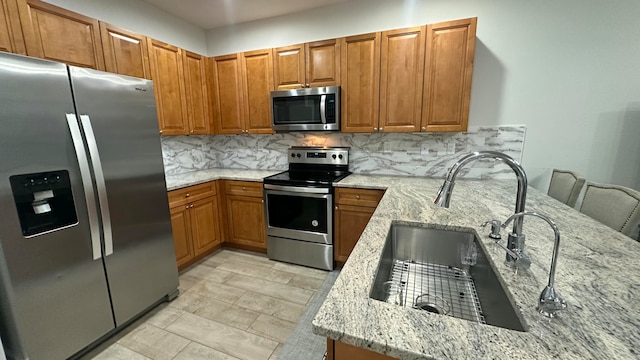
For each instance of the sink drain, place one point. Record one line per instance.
(431, 303)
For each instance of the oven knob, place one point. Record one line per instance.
(293, 155)
(333, 156)
(340, 157)
(298, 155)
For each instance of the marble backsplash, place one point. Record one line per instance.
(412, 154)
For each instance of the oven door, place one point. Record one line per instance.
(299, 213)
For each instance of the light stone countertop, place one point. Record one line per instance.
(598, 274)
(201, 176)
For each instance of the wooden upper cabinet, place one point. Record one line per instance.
(447, 79)
(196, 93)
(227, 94)
(401, 79)
(125, 52)
(360, 81)
(11, 39)
(168, 78)
(322, 59)
(257, 83)
(57, 34)
(288, 69)
(312, 64)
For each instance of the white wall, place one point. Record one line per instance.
(568, 70)
(142, 18)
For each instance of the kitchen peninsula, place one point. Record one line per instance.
(593, 275)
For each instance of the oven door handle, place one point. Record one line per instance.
(297, 189)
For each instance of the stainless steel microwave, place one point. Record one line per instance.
(307, 109)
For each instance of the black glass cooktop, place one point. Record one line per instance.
(307, 178)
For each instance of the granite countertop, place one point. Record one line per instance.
(201, 176)
(597, 274)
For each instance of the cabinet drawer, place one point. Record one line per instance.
(192, 193)
(358, 197)
(243, 188)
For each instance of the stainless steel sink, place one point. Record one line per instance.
(444, 272)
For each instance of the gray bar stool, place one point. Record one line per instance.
(565, 186)
(615, 206)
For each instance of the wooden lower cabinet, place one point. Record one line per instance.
(353, 211)
(245, 214)
(196, 229)
(337, 350)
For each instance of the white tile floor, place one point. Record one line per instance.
(232, 305)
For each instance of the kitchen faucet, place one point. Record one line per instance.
(550, 301)
(515, 244)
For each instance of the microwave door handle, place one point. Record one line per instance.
(85, 174)
(100, 183)
(323, 108)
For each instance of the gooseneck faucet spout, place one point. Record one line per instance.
(550, 301)
(516, 239)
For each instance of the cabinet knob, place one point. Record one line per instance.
(336, 208)
(160, 132)
(187, 195)
(191, 132)
(357, 197)
(381, 129)
(375, 129)
(191, 205)
(244, 188)
(186, 207)
(307, 85)
(423, 128)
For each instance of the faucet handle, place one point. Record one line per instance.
(495, 229)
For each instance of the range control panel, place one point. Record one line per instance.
(319, 155)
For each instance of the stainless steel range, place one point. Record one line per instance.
(299, 206)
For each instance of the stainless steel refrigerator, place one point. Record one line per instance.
(85, 231)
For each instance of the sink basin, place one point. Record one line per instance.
(444, 272)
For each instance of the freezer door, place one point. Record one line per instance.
(53, 294)
(118, 115)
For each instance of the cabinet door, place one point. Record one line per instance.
(11, 39)
(168, 79)
(350, 222)
(257, 83)
(447, 78)
(288, 70)
(57, 34)
(125, 52)
(360, 69)
(195, 83)
(401, 79)
(246, 221)
(180, 225)
(204, 224)
(322, 60)
(227, 97)
(337, 350)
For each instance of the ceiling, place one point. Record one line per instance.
(209, 14)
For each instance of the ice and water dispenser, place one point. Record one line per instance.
(44, 201)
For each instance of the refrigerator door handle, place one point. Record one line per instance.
(100, 183)
(85, 173)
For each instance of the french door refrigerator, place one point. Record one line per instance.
(85, 232)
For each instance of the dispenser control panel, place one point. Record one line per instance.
(44, 201)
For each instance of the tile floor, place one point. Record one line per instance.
(232, 305)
